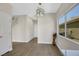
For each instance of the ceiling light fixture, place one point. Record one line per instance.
(40, 11)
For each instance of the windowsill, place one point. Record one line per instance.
(72, 40)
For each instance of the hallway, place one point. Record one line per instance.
(33, 49)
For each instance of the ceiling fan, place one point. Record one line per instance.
(40, 11)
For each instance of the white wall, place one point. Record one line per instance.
(22, 29)
(6, 7)
(5, 29)
(18, 29)
(29, 29)
(46, 27)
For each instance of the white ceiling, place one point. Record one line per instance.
(30, 8)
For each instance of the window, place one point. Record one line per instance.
(72, 29)
(72, 24)
(62, 26)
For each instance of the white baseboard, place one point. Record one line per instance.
(22, 41)
(44, 42)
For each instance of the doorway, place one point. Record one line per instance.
(35, 29)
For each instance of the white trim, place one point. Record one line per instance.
(61, 50)
(67, 52)
(22, 41)
(5, 51)
(44, 42)
(69, 39)
(65, 26)
(67, 10)
(18, 41)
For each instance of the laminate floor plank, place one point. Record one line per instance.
(33, 49)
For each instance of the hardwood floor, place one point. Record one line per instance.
(33, 49)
